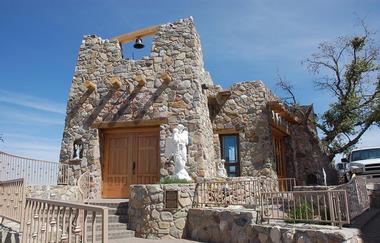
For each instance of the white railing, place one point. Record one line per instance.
(50, 221)
(12, 198)
(59, 221)
(35, 172)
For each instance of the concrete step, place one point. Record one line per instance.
(115, 226)
(114, 218)
(111, 203)
(112, 235)
(118, 211)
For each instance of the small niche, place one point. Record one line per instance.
(78, 149)
(171, 199)
(131, 53)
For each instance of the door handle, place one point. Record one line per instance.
(133, 167)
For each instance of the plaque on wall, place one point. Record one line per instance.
(171, 199)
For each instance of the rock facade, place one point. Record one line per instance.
(60, 192)
(307, 154)
(176, 51)
(232, 226)
(148, 215)
(245, 113)
(357, 196)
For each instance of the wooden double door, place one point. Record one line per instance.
(131, 156)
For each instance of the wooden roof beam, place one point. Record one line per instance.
(280, 109)
(136, 34)
(220, 98)
(89, 85)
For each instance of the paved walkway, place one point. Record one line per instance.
(369, 225)
(371, 230)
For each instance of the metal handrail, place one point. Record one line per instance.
(35, 172)
(245, 191)
(327, 206)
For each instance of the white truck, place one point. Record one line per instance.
(364, 162)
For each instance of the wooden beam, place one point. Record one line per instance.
(89, 85)
(140, 78)
(219, 98)
(136, 34)
(226, 131)
(222, 96)
(115, 82)
(166, 77)
(126, 124)
(281, 110)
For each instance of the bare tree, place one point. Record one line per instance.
(349, 69)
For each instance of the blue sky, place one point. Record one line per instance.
(241, 40)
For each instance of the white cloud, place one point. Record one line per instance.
(28, 118)
(31, 102)
(39, 148)
(33, 149)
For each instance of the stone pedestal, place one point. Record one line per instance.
(149, 216)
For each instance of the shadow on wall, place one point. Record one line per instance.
(78, 105)
(99, 107)
(142, 111)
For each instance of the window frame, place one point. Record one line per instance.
(227, 164)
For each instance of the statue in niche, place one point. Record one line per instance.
(175, 147)
(78, 149)
(221, 170)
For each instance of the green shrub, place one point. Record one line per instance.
(173, 180)
(301, 212)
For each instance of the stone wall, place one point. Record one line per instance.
(307, 154)
(175, 50)
(357, 196)
(236, 226)
(148, 216)
(246, 113)
(60, 192)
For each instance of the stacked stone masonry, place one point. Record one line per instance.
(238, 226)
(148, 215)
(175, 50)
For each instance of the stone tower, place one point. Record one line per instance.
(163, 89)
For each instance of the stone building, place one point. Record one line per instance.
(120, 111)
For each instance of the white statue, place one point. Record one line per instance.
(176, 147)
(77, 150)
(324, 177)
(221, 170)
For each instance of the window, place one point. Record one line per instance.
(230, 153)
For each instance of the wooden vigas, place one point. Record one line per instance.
(140, 78)
(89, 85)
(166, 77)
(115, 82)
(136, 34)
(131, 156)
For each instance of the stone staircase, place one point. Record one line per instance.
(117, 220)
